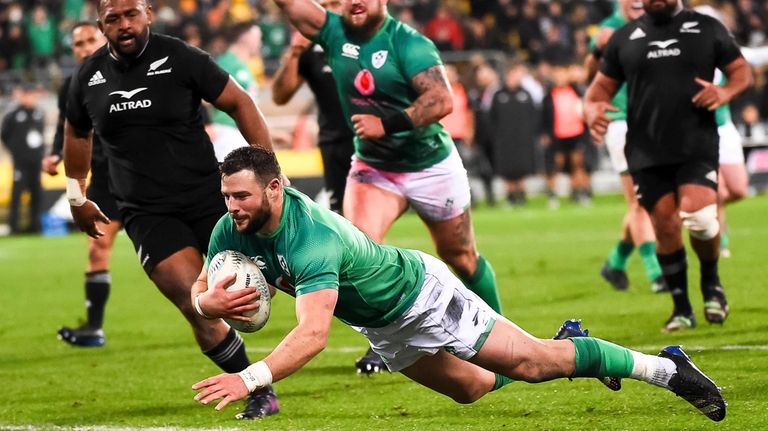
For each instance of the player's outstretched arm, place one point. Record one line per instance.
(597, 101)
(307, 16)
(250, 121)
(314, 311)
(77, 162)
(287, 78)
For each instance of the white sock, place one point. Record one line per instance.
(652, 369)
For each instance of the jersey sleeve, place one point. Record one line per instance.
(416, 53)
(76, 112)
(207, 77)
(610, 65)
(317, 265)
(330, 33)
(726, 49)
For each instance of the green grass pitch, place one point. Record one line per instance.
(547, 265)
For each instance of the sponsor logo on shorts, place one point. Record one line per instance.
(711, 176)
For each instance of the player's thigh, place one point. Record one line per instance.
(734, 179)
(372, 202)
(654, 183)
(157, 237)
(442, 372)
(697, 181)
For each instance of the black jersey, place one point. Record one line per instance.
(659, 63)
(98, 160)
(147, 116)
(314, 68)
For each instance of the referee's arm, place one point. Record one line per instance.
(238, 104)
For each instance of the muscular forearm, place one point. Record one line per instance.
(739, 78)
(430, 107)
(300, 345)
(77, 152)
(287, 79)
(252, 125)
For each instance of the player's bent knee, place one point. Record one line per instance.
(467, 396)
(702, 224)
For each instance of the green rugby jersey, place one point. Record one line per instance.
(240, 72)
(373, 76)
(314, 248)
(615, 22)
(723, 112)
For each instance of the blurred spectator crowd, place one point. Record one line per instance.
(483, 40)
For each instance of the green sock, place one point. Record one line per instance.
(647, 252)
(619, 255)
(725, 242)
(501, 381)
(599, 358)
(483, 283)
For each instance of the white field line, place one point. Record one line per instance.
(103, 428)
(647, 348)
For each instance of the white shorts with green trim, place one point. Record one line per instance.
(446, 315)
(615, 140)
(731, 151)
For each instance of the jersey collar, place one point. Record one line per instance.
(114, 57)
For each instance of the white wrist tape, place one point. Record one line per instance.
(74, 193)
(196, 303)
(256, 376)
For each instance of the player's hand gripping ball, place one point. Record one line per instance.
(230, 262)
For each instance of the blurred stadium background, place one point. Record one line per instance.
(34, 46)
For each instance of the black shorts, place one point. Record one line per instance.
(655, 182)
(564, 146)
(337, 159)
(157, 236)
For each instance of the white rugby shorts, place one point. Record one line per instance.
(615, 140)
(446, 315)
(439, 192)
(731, 152)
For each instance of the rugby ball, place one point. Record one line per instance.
(248, 274)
